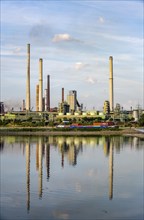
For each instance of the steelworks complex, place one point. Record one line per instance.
(67, 109)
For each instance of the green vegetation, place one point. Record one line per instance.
(20, 123)
(35, 129)
(141, 120)
(46, 122)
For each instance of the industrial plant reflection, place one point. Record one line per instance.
(28, 174)
(69, 148)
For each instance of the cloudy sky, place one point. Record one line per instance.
(75, 40)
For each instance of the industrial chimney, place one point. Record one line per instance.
(40, 84)
(48, 92)
(62, 95)
(37, 98)
(28, 79)
(111, 83)
(46, 99)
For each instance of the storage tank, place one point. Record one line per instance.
(60, 114)
(135, 115)
(68, 113)
(92, 113)
(84, 113)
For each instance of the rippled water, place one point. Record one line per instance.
(72, 178)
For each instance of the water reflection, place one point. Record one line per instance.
(111, 169)
(40, 169)
(28, 174)
(47, 159)
(69, 149)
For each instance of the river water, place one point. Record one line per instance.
(72, 178)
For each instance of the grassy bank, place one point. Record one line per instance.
(46, 131)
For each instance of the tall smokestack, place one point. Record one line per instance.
(28, 79)
(48, 92)
(62, 94)
(46, 99)
(37, 98)
(40, 84)
(43, 104)
(111, 83)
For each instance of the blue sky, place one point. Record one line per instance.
(75, 40)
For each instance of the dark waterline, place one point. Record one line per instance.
(72, 177)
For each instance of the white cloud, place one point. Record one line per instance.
(123, 57)
(127, 39)
(91, 80)
(17, 50)
(101, 59)
(63, 37)
(80, 65)
(101, 20)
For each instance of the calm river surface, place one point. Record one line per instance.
(72, 178)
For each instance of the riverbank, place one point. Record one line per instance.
(47, 131)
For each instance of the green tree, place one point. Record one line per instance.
(141, 120)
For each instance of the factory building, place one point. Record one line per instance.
(71, 99)
(117, 108)
(137, 113)
(1, 108)
(64, 108)
(106, 107)
(23, 105)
